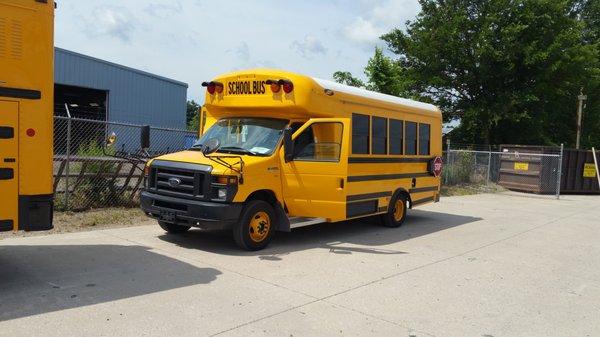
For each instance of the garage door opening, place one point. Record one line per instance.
(82, 103)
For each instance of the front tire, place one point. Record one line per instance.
(172, 228)
(396, 212)
(255, 228)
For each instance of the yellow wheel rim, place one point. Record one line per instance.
(259, 226)
(399, 210)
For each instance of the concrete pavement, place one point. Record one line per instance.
(483, 265)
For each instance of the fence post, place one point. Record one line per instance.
(68, 166)
(447, 163)
(489, 164)
(559, 175)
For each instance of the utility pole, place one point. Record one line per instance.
(580, 98)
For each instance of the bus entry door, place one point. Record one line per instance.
(314, 180)
(9, 151)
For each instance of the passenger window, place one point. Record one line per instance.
(360, 134)
(319, 142)
(379, 134)
(424, 140)
(411, 138)
(396, 135)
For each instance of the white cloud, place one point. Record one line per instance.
(113, 21)
(308, 47)
(380, 18)
(164, 10)
(363, 31)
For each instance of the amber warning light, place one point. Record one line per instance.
(277, 85)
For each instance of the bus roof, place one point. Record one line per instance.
(350, 90)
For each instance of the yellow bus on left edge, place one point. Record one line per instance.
(26, 109)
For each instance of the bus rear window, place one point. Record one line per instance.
(411, 138)
(360, 134)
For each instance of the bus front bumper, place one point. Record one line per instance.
(201, 214)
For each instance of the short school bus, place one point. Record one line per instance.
(280, 150)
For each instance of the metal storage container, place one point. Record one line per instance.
(534, 169)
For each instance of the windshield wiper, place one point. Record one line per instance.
(236, 149)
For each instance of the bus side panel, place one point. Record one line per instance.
(26, 75)
(9, 165)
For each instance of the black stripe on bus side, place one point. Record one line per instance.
(20, 93)
(367, 160)
(422, 201)
(359, 208)
(387, 176)
(6, 225)
(375, 195)
(6, 173)
(423, 189)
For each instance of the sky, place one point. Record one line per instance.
(195, 40)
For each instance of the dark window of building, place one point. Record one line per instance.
(411, 138)
(379, 134)
(424, 139)
(396, 135)
(360, 134)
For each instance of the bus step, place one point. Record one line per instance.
(297, 221)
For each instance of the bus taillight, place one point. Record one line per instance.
(213, 86)
(275, 87)
(288, 86)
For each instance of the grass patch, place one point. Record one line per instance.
(470, 189)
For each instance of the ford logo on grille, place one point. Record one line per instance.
(174, 182)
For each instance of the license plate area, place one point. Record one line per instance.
(168, 216)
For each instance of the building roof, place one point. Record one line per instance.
(116, 65)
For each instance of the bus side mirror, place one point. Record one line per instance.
(288, 145)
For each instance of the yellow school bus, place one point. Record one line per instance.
(26, 99)
(279, 150)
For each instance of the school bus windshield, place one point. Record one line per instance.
(252, 136)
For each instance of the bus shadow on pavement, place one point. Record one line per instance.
(347, 237)
(41, 279)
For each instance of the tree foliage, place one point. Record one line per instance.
(511, 70)
(192, 115)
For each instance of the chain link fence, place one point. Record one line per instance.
(536, 171)
(88, 174)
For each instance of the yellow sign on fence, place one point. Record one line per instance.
(521, 166)
(589, 171)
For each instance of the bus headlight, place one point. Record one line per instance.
(222, 193)
(223, 188)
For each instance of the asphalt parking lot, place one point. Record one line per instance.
(482, 265)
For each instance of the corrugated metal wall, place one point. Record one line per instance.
(134, 96)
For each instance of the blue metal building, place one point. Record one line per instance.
(100, 90)
(133, 96)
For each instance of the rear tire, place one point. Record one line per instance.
(256, 226)
(172, 228)
(396, 212)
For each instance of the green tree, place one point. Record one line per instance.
(192, 115)
(345, 77)
(511, 70)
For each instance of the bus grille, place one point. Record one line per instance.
(177, 182)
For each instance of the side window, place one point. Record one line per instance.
(379, 134)
(360, 134)
(319, 142)
(411, 138)
(396, 136)
(424, 140)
